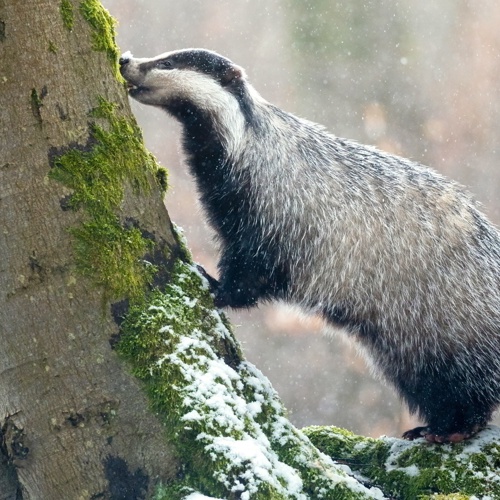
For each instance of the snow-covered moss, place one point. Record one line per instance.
(221, 413)
(418, 470)
(180, 237)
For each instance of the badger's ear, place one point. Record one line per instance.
(232, 74)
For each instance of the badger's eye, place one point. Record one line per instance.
(164, 64)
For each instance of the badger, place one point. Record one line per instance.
(386, 248)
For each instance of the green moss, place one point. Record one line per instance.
(117, 253)
(162, 178)
(184, 252)
(67, 14)
(107, 251)
(52, 47)
(103, 26)
(453, 496)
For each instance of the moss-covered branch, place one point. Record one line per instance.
(418, 470)
(222, 414)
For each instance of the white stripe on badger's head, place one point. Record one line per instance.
(194, 79)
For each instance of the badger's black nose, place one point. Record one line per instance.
(123, 60)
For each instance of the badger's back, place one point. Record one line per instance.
(382, 245)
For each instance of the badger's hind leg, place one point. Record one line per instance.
(454, 409)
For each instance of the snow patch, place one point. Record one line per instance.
(199, 496)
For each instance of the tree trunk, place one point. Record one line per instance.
(74, 423)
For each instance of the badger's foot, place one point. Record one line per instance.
(417, 432)
(440, 438)
(212, 282)
(221, 298)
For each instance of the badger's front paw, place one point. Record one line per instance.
(221, 297)
(230, 293)
(213, 284)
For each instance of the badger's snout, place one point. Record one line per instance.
(125, 67)
(127, 71)
(125, 58)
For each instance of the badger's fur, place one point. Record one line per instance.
(387, 248)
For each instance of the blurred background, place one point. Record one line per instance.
(420, 79)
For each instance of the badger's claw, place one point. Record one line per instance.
(212, 282)
(440, 438)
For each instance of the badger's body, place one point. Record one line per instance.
(385, 247)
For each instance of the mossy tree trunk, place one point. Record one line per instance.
(73, 422)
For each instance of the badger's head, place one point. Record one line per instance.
(189, 77)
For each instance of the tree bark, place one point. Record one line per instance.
(73, 422)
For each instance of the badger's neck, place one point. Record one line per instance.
(215, 132)
(214, 127)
